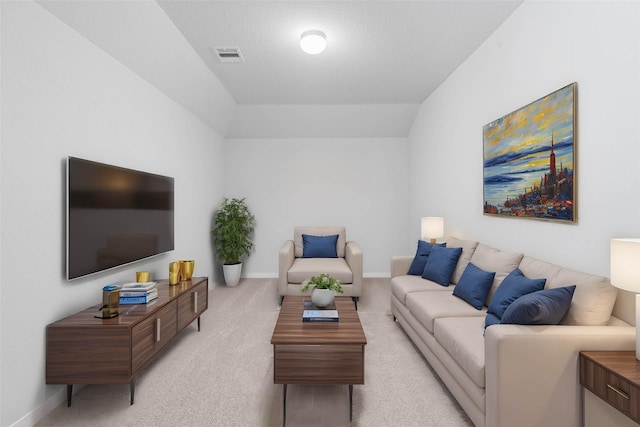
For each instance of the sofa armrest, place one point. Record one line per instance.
(400, 265)
(523, 388)
(285, 261)
(353, 258)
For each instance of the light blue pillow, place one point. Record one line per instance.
(546, 307)
(474, 285)
(440, 264)
(513, 287)
(319, 246)
(420, 260)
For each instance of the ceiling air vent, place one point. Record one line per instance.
(228, 54)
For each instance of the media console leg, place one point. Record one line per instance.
(132, 389)
(198, 323)
(350, 402)
(69, 392)
(284, 406)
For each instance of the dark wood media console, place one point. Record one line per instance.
(83, 349)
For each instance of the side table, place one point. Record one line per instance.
(613, 377)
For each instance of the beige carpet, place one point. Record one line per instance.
(223, 376)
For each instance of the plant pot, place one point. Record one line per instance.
(322, 297)
(232, 273)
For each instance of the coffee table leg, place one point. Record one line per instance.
(284, 406)
(350, 402)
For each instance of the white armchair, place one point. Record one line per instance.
(295, 266)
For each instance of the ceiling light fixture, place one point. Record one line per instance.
(313, 41)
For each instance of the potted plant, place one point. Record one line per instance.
(232, 233)
(325, 289)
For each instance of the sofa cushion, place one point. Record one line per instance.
(403, 285)
(491, 259)
(513, 287)
(441, 264)
(304, 268)
(428, 306)
(468, 247)
(319, 231)
(593, 298)
(474, 285)
(546, 307)
(420, 259)
(462, 338)
(319, 246)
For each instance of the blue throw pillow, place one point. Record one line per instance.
(546, 307)
(474, 285)
(491, 319)
(440, 264)
(513, 287)
(319, 246)
(420, 260)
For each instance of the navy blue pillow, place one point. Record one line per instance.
(513, 287)
(491, 319)
(546, 307)
(319, 246)
(474, 286)
(420, 260)
(440, 264)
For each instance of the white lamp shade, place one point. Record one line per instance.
(625, 264)
(625, 273)
(432, 227)
(313, 41)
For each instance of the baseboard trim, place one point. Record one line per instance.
(31, 418)
(381, 275)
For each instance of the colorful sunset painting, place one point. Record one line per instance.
(529, 164)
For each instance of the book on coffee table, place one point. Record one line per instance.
(320, 316)
(308, 305)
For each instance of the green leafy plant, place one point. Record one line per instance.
(322, 281)
(233, 226)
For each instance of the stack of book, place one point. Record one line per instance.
(138, 293)
(311, 313)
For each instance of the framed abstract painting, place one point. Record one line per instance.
(529, 160)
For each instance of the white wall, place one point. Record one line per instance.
(62, 96)
(542, 47)
(360, 183)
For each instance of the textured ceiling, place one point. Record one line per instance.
(378, 52)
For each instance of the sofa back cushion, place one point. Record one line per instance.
(318, 231)
(502, 262)
(468, 247)
(593, 298)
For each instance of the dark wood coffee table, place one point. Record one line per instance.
(318, 352)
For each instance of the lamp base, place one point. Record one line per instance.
(432, 241)
(638, 327)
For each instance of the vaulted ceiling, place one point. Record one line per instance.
(385, 56)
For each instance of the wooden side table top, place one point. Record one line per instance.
(291, 330)
(622, 363)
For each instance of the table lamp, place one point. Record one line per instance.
(432, 227)
(625, 273)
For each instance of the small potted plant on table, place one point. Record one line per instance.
(324, 291)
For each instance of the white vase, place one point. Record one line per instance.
(232, 273)
(322, 297)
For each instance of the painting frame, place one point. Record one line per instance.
(529, 160)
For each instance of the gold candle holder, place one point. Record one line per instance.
(174, 273)
(143, 276)
(186, 269)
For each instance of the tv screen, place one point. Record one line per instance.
(115, 216)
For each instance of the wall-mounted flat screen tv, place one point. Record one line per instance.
(115, 216)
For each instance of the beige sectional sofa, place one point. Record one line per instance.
(511, 375)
